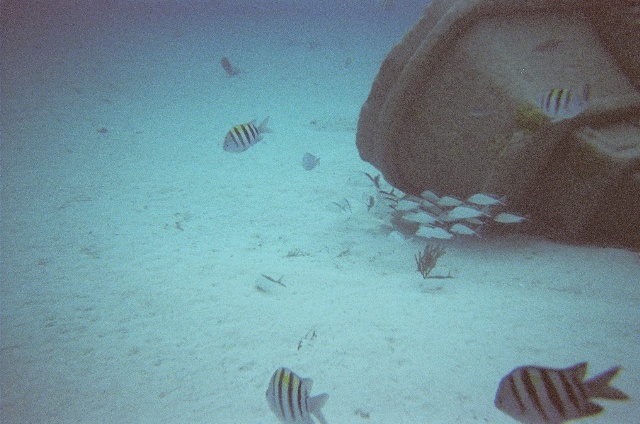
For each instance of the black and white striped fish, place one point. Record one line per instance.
(243, 136)
(564, 103)
(288, 398)
(535, 395)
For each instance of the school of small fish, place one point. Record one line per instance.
(432, 216)
(529, 394)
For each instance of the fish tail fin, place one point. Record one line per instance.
(580, 100)
(487, 210)
(315, 404)
(599, 387)
(263, 128)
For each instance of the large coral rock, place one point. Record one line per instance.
(452, 110)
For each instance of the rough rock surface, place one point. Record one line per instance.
(448, 111)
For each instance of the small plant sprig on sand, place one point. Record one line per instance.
(427, 260)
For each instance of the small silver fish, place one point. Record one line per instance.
(433, 232)
(508, 218)
(563, 103)
(406, 205)
(449, 202)
(243, 136)
(430, 196)
(462, 230)
(288, 397)
(406, 228)
(461, 212)
(309, 161)
(536, 395)
(421, 217)
(484, 200)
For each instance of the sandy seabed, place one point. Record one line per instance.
(135, 250)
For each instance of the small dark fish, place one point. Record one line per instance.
(375, 180)
(371, 203)
(390, 194)
(309, 161)
(228, 67)
(536, 395)
(273, 280)
(406, 228)
(344, 205)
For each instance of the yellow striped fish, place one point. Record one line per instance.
(563, 103)
(535, 395)
(243, 136)
(288, 398)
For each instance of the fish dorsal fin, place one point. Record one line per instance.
(315, 404)
(263, 128)
(592, 409)
(306, 383)
(579, 371)
(599, 387)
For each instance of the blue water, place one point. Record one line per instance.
(134, 249)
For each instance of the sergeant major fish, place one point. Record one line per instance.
(288, 397)
(243, 136)
(563, 103)
(535, 395)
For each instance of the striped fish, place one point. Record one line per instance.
(535, 395)
(288, 398)
(563, 103)
(243, 136)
